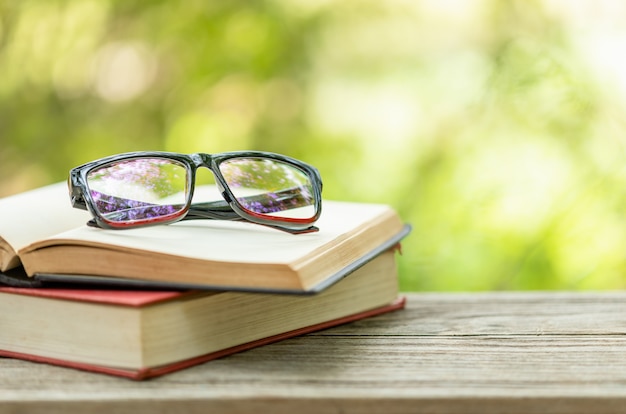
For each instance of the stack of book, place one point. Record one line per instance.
(148, 301)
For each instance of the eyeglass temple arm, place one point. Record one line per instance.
(221, 210)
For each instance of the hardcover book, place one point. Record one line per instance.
(143, 334)
(41, 234)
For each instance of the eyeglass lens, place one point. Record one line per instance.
(139, 189)
(270, 187)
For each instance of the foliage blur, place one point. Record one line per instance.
(496, 128)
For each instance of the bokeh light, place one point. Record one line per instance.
(496, 128)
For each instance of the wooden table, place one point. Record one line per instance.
(445, 353)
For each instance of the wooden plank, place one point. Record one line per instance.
(446, 353)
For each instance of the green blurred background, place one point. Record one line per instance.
(496, 128)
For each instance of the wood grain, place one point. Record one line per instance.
(445, 353)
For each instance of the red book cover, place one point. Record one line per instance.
(134, 298)
(143, 298)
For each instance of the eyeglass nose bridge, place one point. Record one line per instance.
(201, 159)
(205, 160)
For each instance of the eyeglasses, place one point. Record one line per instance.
(146, 188)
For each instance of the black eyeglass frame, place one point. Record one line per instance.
(227, 209)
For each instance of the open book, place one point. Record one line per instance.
(142, 334)
(41, 232)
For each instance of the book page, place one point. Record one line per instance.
(225, 241)
(35, 215)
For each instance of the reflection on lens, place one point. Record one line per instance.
(139, 189)
(270, 187)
